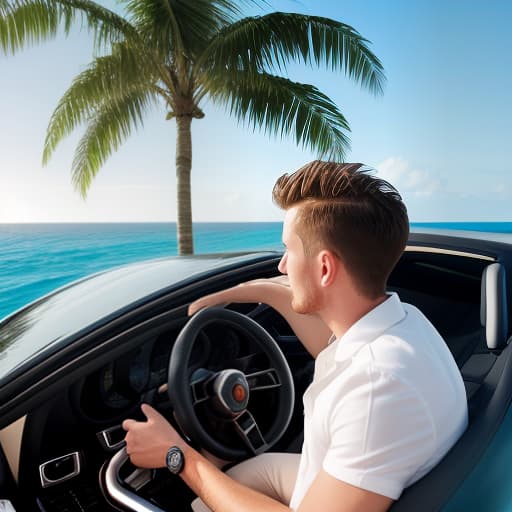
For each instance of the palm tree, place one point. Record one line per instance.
(175, 54)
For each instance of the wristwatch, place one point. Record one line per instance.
(175, 460)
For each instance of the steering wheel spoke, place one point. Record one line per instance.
(199, 386)
(263, 380)
(247, 428)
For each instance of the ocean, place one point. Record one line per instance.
(37, 258)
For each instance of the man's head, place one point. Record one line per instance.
(343, 209)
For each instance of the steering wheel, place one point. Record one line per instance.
(222, 398)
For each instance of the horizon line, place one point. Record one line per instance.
(11, 223)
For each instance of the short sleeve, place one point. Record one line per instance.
(380, 434)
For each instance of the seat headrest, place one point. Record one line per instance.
(493, 306)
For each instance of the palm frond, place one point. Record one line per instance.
(106, 25)
(107, 80)
(156, 20)
(4, 7)
(5, 37)
(108, 128)
(180, 29)
(231, 8)
(282, 107)
(266, 43)
(28, 22)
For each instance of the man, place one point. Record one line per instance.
(387, 400)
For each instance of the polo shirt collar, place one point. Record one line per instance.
(370, 326)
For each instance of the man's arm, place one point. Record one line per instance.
(310, 329)
(147, 445)
(329, 494)
(221, 492)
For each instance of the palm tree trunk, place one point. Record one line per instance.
(183, 168)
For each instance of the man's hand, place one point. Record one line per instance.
(214, 299)
(147, 442)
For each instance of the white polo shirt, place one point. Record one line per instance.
(386, 403)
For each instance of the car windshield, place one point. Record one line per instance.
(43, 326)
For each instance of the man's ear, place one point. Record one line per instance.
(329, 267)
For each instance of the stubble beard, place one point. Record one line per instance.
(307, 302)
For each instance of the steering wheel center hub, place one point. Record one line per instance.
(231, 392)
(238, 393)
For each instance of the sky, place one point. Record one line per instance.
(441, 132)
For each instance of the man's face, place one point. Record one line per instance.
(306, 294)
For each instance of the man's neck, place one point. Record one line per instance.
(340, 315)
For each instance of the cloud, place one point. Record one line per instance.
(406, 179)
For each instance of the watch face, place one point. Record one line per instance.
(175, 460)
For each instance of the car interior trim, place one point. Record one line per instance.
(6, 506)
(55, 466)
(451, 252)
(139, 478)
(10, 440)
(110, 438)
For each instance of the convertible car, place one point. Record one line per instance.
(76, 362)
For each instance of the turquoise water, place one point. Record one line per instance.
(37, 258)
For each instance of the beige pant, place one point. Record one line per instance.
(273, 474)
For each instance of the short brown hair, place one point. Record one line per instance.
(357, 216)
